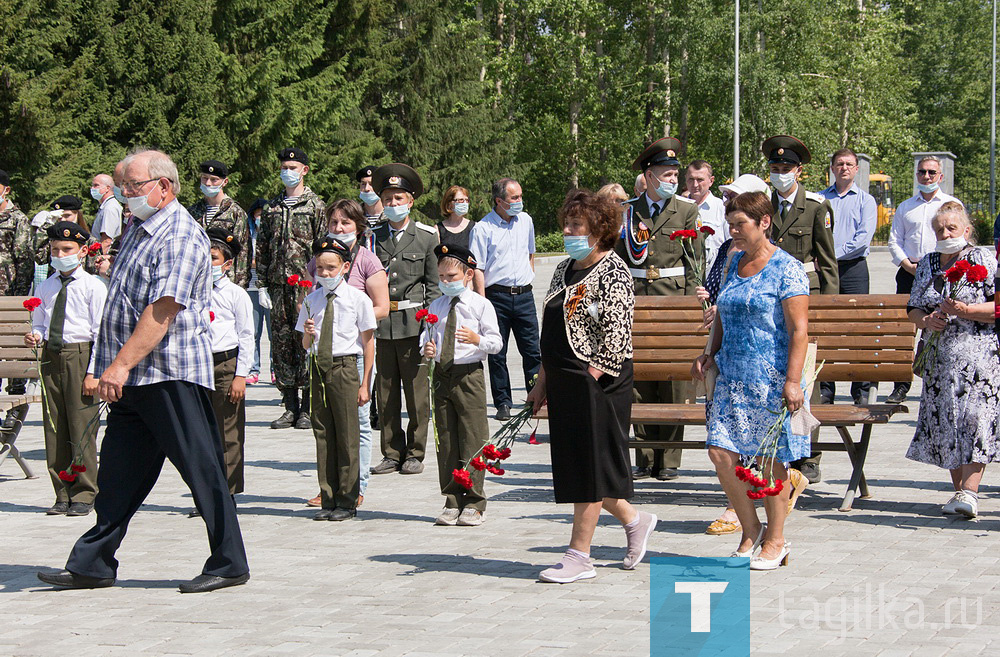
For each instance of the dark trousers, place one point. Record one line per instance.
(334, 394)
(853, 280)
(231, 419)
(904, 285)
(460, 417)
(172, 419)
(515, 312)
(400, 366)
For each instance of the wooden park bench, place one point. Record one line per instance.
(860, 338)
(16, 362)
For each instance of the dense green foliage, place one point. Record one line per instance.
(554, 92)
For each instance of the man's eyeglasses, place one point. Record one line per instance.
(927, 172)
(132, 187)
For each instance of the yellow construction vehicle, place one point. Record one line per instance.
(880, 186)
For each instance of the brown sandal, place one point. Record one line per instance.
(720, 527)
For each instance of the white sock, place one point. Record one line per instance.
(974, 494)
(578, 554)
(634, 522)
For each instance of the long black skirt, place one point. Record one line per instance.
(588, 426)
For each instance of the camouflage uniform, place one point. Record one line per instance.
(234, 219)
(284, 245)
(17, 252)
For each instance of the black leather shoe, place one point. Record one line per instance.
(641, 473)
(206, 583)
(323, 514)
(503, 412)
(339, 514)
(666, 474)
(411, 466)
(897, 396)
(385, 467)
(825, 398)
(286, 421)
(80, 509)
(68, 580)
(194, 513)
(10, 421)
(58, 509)
(303, 422)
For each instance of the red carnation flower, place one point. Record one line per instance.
(677, 233)
(65, 476)
(504, 454)
(977, 274)
(211, 316)
(78, 467)
(532, 440)
(708, 230)
(491, 453)
(478, 464)
(462, 478)
(32, 303)
(432, 319)
(954, 275)
(94, 248)
(293, 279)
(421, 314)
(305, 284)
(964, 265)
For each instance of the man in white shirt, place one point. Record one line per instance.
(698, 180)
(503, 243)
(640, 185)
(912, 237)
(108, 223)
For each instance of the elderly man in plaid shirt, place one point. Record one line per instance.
(154, 360)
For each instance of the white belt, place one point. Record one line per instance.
(810, 266)
(403, 305)
(652, 273)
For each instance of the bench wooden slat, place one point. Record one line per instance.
(18, 369)
(8, 402)
(815, 301)
(831, 372)
(16, 353)
(829, 355)
(830, 415)
(825, 342)
(13, 303)
(12, 340)
(838, 328)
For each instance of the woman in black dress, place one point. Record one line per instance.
(455, 229)
(586, 379)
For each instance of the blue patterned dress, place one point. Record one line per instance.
(753, 359)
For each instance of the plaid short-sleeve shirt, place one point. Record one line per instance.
(166, 255)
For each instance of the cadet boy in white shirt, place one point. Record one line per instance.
(467, 331)
(66, 327)
(232, 352)
(337, 323)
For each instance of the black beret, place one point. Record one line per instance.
(330, 245)
(365, 172)
(782, 148)
(67, 203)
(68, 230)
(4, 178)
(214, 168)
(662, 151)
(457, 252)
(397, 176)
(225, 238)
(293, 155)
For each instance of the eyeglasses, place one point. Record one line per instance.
(927, 172)
(132, 187)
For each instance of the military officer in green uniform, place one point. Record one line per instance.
(289, 225)
(660, 266)
(216, 209)
(407, 253)
(802, 226)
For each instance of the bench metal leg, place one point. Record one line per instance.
(857, 453)
(7, 438)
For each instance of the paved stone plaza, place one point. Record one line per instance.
(888, 578)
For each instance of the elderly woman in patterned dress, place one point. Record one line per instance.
(586, 379)
(957, 420)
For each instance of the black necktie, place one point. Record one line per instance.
(654, 211)
(448, 348)
(58, 317)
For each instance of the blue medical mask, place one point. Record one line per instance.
(461, 209)
(290, 178)
(66, 263)
(516, 208)
(217, 273)
(330, 283)
(577, 246)
(210, 191)
(117, 191)
(368, 198)
(451, 288)
(96, 194)
(666, 189)
(140, 207)
(927, 189)
(347, 239)
(396, 212)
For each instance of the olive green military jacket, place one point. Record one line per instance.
(806, 233)
(663, 253)
(234, 219)
(411, 266)
(284, 241)
(17, 252)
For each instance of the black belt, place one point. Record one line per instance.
(223, 356)
(850, 261)
(510, 289)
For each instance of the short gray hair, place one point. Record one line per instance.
(930, 158)
(500, 188)
(955, 209)
(159, 165)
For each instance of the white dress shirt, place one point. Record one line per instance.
(911, 235)
(85, 297)
(353, 314)
(502, 249)
(109, 219)
(712, 213)
(473, 312)
(233, 323)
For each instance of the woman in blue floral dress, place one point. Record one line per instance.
(759, 349)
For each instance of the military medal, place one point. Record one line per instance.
(635, 233)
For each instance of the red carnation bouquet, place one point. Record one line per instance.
(297, 283)
(687, 238)
(960, 276)
(429, 319)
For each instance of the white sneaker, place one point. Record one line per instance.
(470, 518)
(949, 508)
(968, 506)
(448, 517)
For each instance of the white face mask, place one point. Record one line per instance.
(927, 189)
(217, 272)
(347, 239)
(330, 283)
(66, 264)
(951, 245)
(140, 207)
(461, 209)
(783, 181)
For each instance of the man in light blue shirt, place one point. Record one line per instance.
(503, 243)
(855, 217)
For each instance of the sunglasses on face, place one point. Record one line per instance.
(927, 172)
